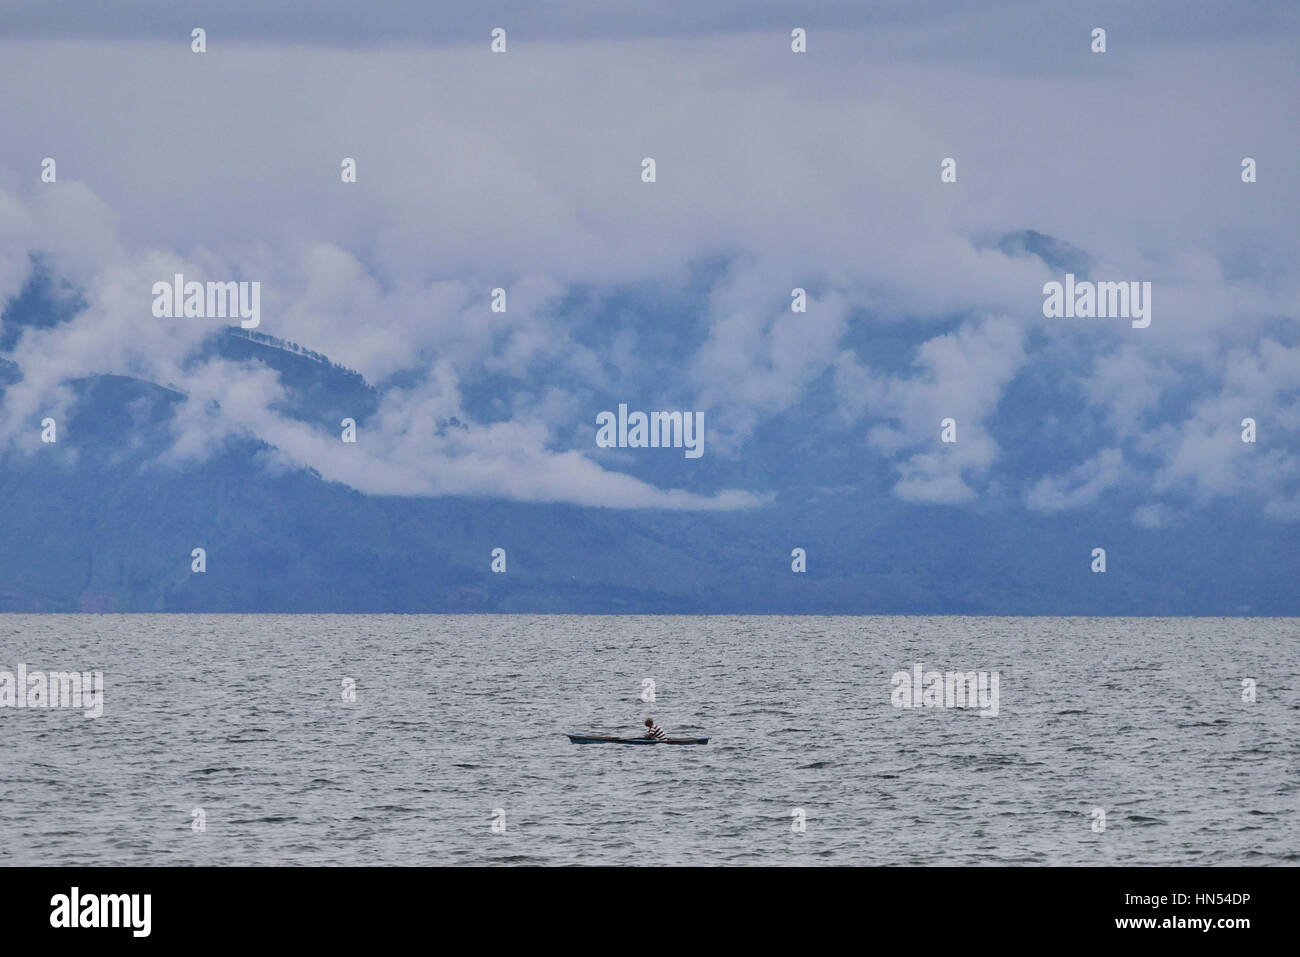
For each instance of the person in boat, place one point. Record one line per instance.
(653, 730)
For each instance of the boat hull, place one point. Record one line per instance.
(604, 739)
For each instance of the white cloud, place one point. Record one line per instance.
(960, 376)
(523, 172)
(1079, 487)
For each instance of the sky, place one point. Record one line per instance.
(774, 170)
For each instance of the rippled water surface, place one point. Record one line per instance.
(455, 717)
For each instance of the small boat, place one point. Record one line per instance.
(605, 739)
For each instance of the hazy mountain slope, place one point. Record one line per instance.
(98, 522)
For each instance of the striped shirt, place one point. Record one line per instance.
(656, 732)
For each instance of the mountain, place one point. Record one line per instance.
(96, 523)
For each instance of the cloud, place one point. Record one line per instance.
(1081, 486)
(1204, 454)
(821, 171)
(958, 375)
(936, 27)
(1151, 516)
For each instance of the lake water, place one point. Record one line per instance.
(455, 717)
